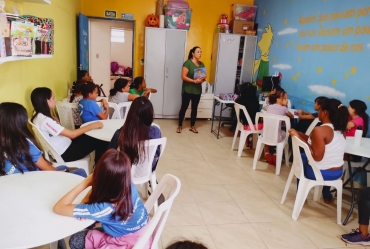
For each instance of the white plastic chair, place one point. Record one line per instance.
(83, 163)
(270, 133)
(150, 94)
(240, 127)
(101, 97)
(306, 184)
(157, 222)
(312, 126)
(141, 173)
(65, 114)
(113, 111)
(123, 109)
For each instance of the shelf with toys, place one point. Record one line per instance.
(20, 58)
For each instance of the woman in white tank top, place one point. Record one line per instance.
(327, 143)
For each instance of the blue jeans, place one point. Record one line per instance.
(79, 172)
(328, 175)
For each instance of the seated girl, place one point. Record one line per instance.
(248, 98)
(120, 92)
(327, 143)
(19, 151)
(72, 145)
(89, 109)
(113, 201)
(306, 118)
(75, 98)
(136, 130)
(138, 87)
(277, 105)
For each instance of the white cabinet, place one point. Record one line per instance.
(232, 62)
(164, 57)
(204, 107)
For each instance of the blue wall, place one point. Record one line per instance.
(319, 56)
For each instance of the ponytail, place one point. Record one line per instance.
(273, 97)
(338, 114)
(360, 109)
(118, 85)
(137, 81)
(190, 56)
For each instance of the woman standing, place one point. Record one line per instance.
(191, 88)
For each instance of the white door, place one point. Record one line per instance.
(154, 64)
(249, 53)
(175, 57)
(100, 53)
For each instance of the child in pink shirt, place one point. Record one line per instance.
(278, 102)
(357, 117)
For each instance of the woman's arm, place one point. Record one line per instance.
(64, 206)
(132, 97)
(318, 143)
(184, 77)
(289, 114)
(78, 132)
(300, 135)
(350, 125)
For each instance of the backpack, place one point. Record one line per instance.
(120, 70)
(128, 71)
(113, 66)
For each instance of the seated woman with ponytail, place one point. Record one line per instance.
(327, 143)
(120, 92)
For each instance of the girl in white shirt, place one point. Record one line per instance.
(327, 143)
(72, 145)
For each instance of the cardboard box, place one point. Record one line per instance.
(240, 26)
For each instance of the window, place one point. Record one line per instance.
(117, 35)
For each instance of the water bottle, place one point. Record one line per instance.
(358, 136)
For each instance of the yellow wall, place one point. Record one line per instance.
(206, 15)
(19, 78)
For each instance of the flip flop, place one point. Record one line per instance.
(192, 129)
(179, 129)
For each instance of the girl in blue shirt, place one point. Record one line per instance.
(19, 151)
(113, 201)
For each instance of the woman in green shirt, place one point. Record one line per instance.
(138, 87)
(191, 87)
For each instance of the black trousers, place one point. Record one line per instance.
(363, 201)
(186, 97)
(84, 145)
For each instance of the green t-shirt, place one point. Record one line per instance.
(191, 87)
(140, 93)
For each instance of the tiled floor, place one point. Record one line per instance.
(226, 204)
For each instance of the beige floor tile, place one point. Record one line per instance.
(209, 192)
(207, 146)
(184, 195)
(275, 190)
(263, 211)
(227, 175)
(222, 163)
(282, 235)
(215, 154)
(235, 236)
(323, 233)
(193, 233)
(168, 163)
(265, 176)
(189, 163)
(184, 214)
(221, 212)
(187, 153)
(200, 176)
(246, 192)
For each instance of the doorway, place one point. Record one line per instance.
(109, 40)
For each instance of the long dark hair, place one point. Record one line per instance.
(360, 109)
(137, 81)
(320, 99)
(81, 74)
(118, 85)
(39, 99)
(112, 183)
(76, 88)
(135, 131)
(14, 133)
(190, 56)
(274, 97)
(338, 113)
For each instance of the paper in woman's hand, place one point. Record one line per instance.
(200, 73)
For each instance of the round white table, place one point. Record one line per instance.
(26, 211)
(109, 128)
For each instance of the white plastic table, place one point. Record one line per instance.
(26, 211)
(109, 128)
(362, 150)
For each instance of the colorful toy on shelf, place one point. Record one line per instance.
(244, 12)
(152, 21)
(223, 25)
(177, 18)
